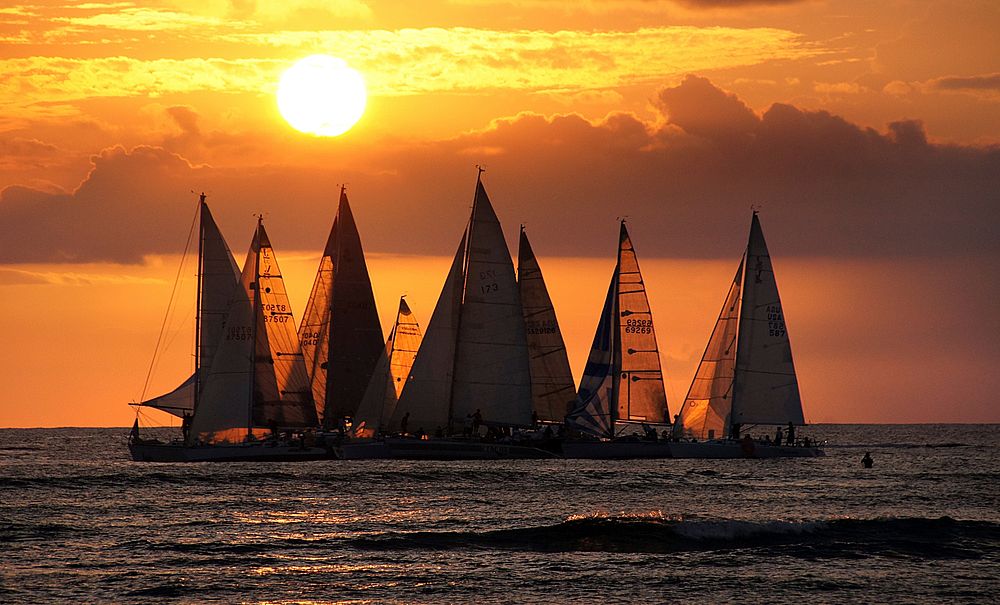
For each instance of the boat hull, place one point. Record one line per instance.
(256, 452)
(446, 449)
(734, 449)
(363, 450)
(610, 450)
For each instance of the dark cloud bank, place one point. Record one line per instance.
(827, 187)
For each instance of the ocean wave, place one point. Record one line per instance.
(654, 533)
(28, 532)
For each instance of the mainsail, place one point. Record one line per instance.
(746, 375)
(552, 390)
(623, 379)
(491, 357)
(218, 277)
(389, 377)
(340, 333)
(474, 357)
(766, 390)
(257, 380)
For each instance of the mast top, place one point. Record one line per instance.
(481, 169)
(201, 198)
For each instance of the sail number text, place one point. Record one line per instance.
(638, 326)
(541, 327)
(488, 276)
(775, 321)
(239, 333)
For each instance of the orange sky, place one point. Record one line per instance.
(868, 132)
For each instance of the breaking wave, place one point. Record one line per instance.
(653, 533)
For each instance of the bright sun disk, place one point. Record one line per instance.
(321, 95)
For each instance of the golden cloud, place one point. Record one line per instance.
(413, 61)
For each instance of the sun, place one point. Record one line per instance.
(321, 95)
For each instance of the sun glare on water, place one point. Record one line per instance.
(321, 95)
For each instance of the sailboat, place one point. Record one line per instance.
(340, 334)
(621, 389)
(552, 390)
(382, 395)
(250, 383)
(472, 369)
(746, 376)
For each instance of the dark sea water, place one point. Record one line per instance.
(81, 523)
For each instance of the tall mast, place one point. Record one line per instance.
(465, 278)
(616, 339)
(253, 325)
(197, 305)
(735, 393)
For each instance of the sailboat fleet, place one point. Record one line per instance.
(489, 376)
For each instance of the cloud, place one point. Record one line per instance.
(701, 109)
(828, 187)
(411, 61)
(736, 3)
(988, 82)
(125, 208)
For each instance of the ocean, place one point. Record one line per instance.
(81, 523)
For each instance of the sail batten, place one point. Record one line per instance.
(623, 379)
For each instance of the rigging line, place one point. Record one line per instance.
(170, 304)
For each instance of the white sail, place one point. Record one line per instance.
(224, 406)
(766, 390)
(425, 400)
(491, 361)
(382, 394)
(552, 390)
(257, 380)
(641, 396)
(707, 407)
(179, 402)
(219, 277)
(340, 332)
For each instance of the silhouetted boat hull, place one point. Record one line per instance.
(602, 450)
(455, 449)
(363, 449)
(250, 452)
